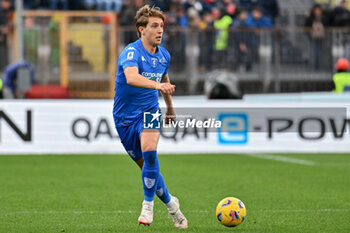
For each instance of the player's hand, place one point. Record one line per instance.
(166, 88)
(169, 115)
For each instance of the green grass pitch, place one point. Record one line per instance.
(103, 193)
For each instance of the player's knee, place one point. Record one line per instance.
(149, 147)
(150, 161)
(150, 157)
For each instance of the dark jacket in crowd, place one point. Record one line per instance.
(339, 17)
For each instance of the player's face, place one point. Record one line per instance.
(153, 32)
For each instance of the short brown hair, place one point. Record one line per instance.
(144, 13)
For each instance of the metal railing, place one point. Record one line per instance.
(79, 50)
(264, 60)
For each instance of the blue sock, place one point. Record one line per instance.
(150, 174)
(162, 191)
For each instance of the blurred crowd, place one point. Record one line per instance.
(229, 29)
(216, 21)
(318, 20)
(213, 18)
(100, 5)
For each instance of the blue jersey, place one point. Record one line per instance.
(130, 102)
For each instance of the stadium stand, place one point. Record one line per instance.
(284, 58)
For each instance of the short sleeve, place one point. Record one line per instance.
(129, 57)
(168, 58)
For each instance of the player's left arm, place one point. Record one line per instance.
(170, 113)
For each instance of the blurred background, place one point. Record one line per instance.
(70, 49)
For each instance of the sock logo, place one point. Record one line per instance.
(159, 192)
(149, 182)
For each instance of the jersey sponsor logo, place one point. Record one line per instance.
(152, 76)
(130, 56)
(154, 62)
(149, 182)
(143, 58)
(131, 48)
(162, 60)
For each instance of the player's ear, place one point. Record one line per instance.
(141, 30)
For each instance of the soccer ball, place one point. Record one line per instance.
(230, 212)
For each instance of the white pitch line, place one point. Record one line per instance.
(304, 210)
(90, 212)
(282, 159)
(163, 211)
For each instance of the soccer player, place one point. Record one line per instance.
(142, 72)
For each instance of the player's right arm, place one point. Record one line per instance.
(133, 78)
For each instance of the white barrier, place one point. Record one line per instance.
(86, 126)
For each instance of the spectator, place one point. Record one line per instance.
(89, 4)
(193, 8)
(183, 22)
(255, 21)
(30, 41)
(109, 5)
(317, 22)
(31, 4)
(240, 38)
(193, 16)
(175, 38)
(206, 41)
(222, 23)
(127, 20)
(54, 32)
(182, 18)
(270, 9)
(76, 4)
(171, 19)
(230, 8)
(10, 78)
(164, 5)
(5, 30)
(342, 77)
(208, 5)
(188, 4)
(247, 5)
(340, 16)
(54, 4)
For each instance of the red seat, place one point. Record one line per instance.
(47, 92)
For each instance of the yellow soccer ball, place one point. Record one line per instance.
(231, 212)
